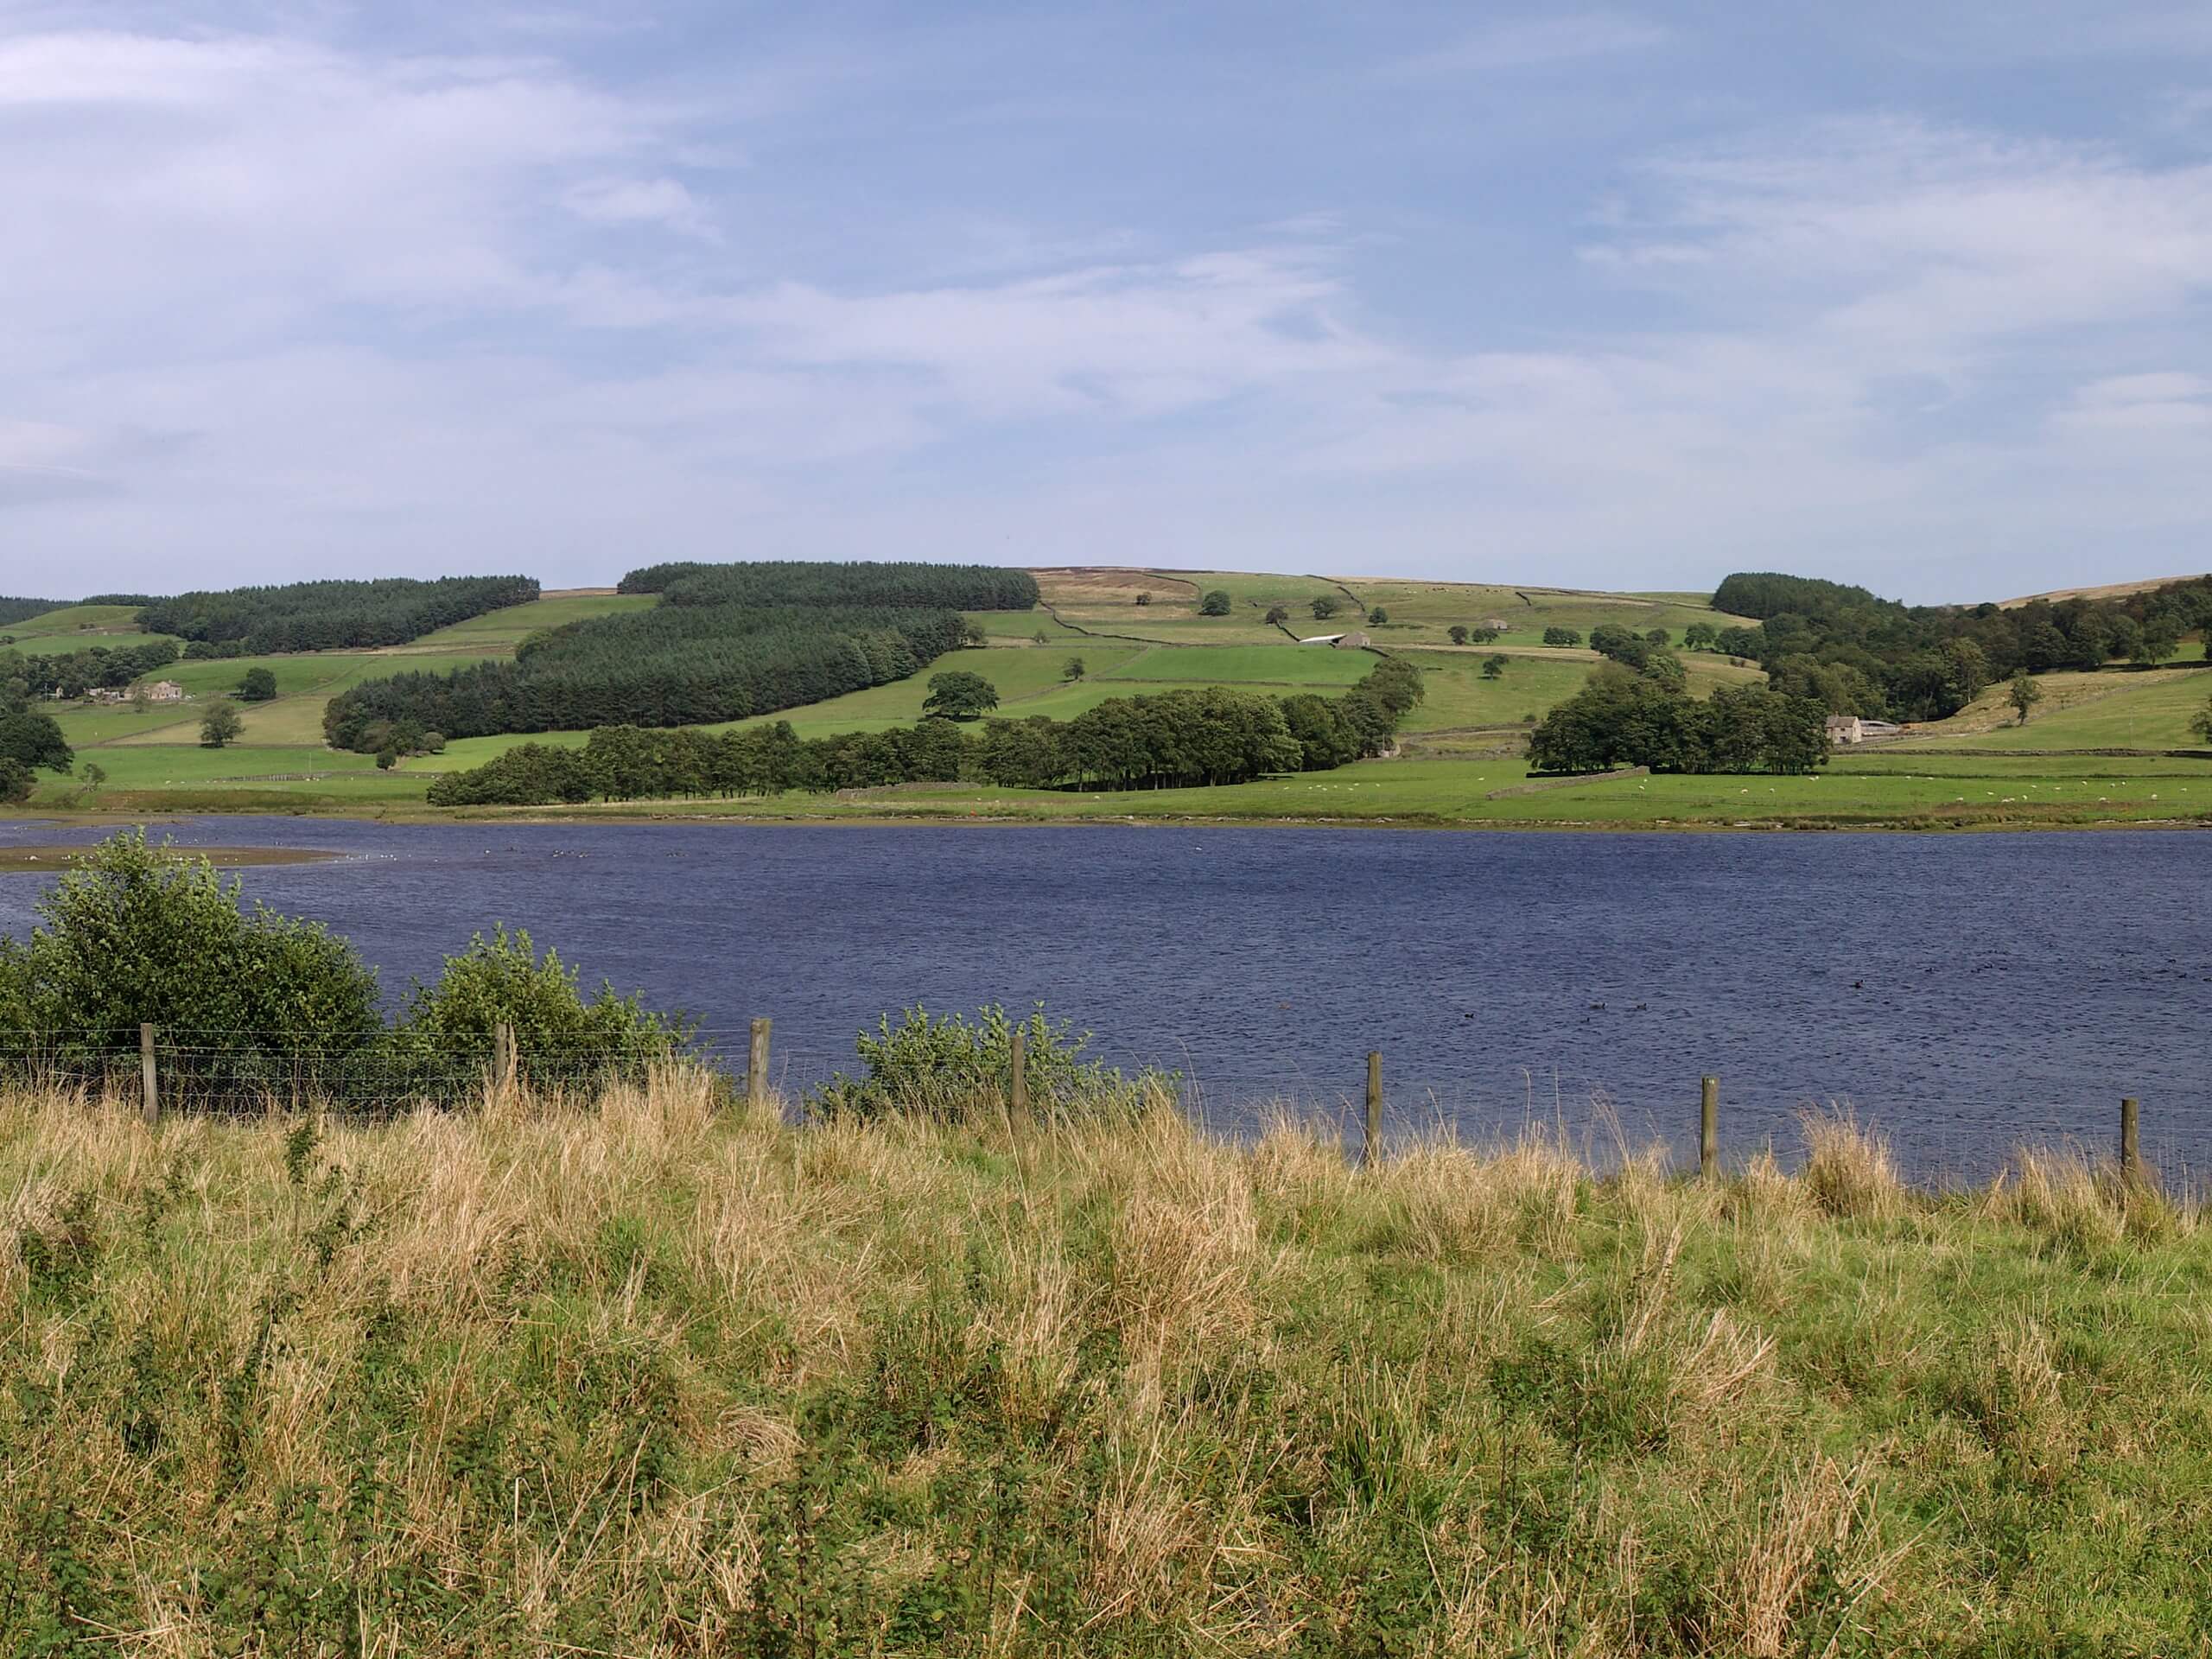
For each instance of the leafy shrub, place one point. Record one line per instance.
(140, 932)
(503, 981)
(946, 1068)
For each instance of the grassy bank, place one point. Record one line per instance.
(651, 1378)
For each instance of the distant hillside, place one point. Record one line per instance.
(18, 610)
(2110, 590)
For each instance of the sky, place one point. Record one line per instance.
(1914, 297)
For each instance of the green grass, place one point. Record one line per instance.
(2114, 709)
(654, 1373)
(1421, 611)
(1279, 664)
(496, 633)
(90, 625)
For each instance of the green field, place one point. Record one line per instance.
(2113, 708)
(496, 633)
(1102, 599)
(1421, 611)
(1461, 743)
(1279, 664)
(75, 625)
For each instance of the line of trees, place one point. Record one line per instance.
(899, 584)
(1623, 718)
(1859, 654)
(31, 675)
(329, 615)
(1176, 739)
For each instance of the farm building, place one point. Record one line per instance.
(1853, 728)
(1352, 641)
(165, 691)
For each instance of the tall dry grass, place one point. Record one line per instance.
(646, 1374)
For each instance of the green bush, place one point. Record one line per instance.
(943, 1068)
(503, 981)
(140, 932)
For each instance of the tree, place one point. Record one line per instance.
(1277, 615)
(222, 724)
(1700, 636)
(1456, 634)
(1324, 607)
(16, 782)
(960, 696)
(2202, 726)
(1562, 637)
(1144, 599)
(1072, 669)
(2024, 695)
(91, 776)
(35, 741)
(972, 633)
(1494, 666)
(1658, 637)
(1216, 603)
(2156, 642)
(1377, 617)
(1042, 638)
(258, 686)
(1484, 634)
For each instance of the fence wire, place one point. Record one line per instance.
(1953, 1141)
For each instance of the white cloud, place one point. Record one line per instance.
(638, 201)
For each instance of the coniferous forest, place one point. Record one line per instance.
(330, 616)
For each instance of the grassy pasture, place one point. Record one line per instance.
(1421, 611)
(1930, 791)
(1022, 627)
(2113, 708)
(90, 625)
(1277, 665)
(496, 633)
(648, 1373)
(1103, 599)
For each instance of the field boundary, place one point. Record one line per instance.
(1537, 787)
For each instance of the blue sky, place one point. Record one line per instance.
(1911, 295)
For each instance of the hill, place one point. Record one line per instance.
(2109, 590)
(1458, 759)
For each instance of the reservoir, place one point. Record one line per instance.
(1963, 994)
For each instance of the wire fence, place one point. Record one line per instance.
(1953, 1141)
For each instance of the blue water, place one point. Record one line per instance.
(1965, 992)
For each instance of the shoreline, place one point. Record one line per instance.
(649, 813)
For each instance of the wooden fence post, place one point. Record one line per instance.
(1371, 1145)
(1017, 1099)
(2131, 1157)
(150, 1100)
(502, 1059)
(1708, 1129)
(756, 1067)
